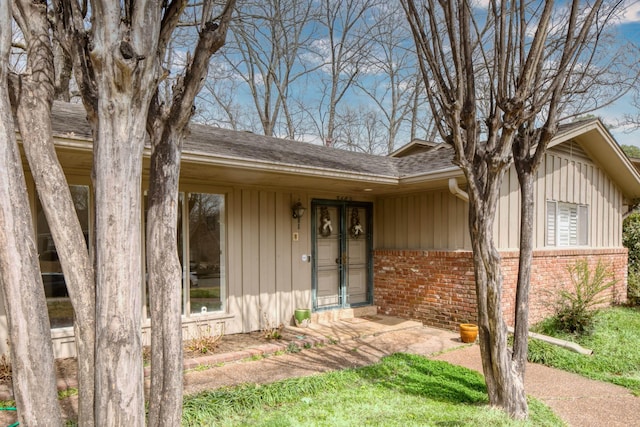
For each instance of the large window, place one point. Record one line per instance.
(567, 224)
(201, 252)
(200, 246)
(55, 288)
(206, 252)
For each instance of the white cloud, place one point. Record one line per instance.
(632, 12)
(481, 3)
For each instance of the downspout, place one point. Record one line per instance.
(457, 191)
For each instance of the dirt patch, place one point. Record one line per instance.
(67, 368)
(237, 342)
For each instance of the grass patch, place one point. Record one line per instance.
(71, 391)
(401, 390)
(293, 348)
(200, 368)
(615, 342)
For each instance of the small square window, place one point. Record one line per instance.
(567, 224)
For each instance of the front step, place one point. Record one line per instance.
(328, 316)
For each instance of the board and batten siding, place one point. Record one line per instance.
(434, 220)
(437, 220)
(574, 178)
(267, 279)
(565, 175)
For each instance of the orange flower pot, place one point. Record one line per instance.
(468, 332)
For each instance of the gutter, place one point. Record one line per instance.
(457, 191)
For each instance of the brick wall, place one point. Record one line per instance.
(438, 287)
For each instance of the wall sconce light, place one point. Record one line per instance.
(297, 211)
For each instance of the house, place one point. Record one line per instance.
(270, 225)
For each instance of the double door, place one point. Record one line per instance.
(342, 254)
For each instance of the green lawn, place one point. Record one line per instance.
(401, 390)
(615, 342)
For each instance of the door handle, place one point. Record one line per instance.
(342, 260)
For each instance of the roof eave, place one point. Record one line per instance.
(452, 172)
(277, 167)
(609, 156)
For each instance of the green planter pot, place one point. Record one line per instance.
(302, 316)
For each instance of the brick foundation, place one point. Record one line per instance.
(438, 287)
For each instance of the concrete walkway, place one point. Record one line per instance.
(577, 400)
(343, 344)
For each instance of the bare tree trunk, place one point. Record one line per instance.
(521, 327)
(528, 152)
(117, 180)
(30, 338)
(33, 96)
(165, 280)
(53, 190)
(119, 76)
(504, 383)
(63, 69)
(167, 127)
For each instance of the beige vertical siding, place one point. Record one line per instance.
(438, 220)
(565, 175)
(507, 223)
(267, 279)
(429, 220)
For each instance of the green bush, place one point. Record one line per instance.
(633, 287)
(576, 304)
(631, 240)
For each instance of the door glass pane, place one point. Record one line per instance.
(328, 256)
(55, 288)
(357, 256)
(206, 252)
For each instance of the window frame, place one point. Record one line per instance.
(186, 256)
(35, 211)
(559, 213)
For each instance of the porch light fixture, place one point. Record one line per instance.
(298, 210)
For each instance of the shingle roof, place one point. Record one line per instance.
(438, 158)
(69, 120)
(249, 146)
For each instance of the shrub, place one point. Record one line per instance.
(633, 287)
(293, 348)
(206, 339)
(631, 240)
(5, 368)
(270, 329)
(576, 304)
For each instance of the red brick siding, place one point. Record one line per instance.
(438, 287)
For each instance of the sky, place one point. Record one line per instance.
(612, 115)
(630, 29)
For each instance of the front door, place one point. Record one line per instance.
(342, 256)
